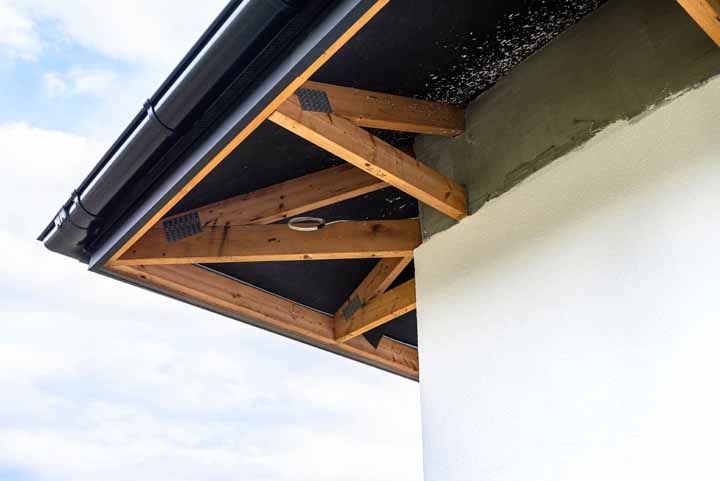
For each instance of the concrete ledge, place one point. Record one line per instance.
(614, 64)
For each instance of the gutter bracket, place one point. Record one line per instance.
(61, 217)
(150, 108)
(63, 214)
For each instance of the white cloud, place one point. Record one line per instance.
(17, 32)
(46, 163)
(148, 38)
(95, 81)
(79, 80)
(137, 31)
(101, 380)
(54, 83)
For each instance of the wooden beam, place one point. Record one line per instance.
(357, 146)
(383, 308)
(377, 282)
(706, 13)
(227, 296)
(255, 123)
(277, 242)
(392, 112)
(287, 199)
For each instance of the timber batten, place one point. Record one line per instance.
(706, 14)
(343, 138)
(392, 112)
(277, 242)
(375, 283)
(275, 313)
(378, 311)
(286, 199)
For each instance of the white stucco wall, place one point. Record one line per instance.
(570, 330)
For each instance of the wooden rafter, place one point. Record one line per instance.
(286, 199)
(277, 242)
(706, 14)
(359, 147)
(256, 122)
(392, 112)
(383, 308)
(225, 295)
(375, 283)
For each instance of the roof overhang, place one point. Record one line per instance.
(304, 55)
(179, 228)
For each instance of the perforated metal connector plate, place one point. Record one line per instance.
(182, 227)
(353, 305)
(314, 100)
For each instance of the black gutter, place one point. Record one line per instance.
(234, 39)
(326, 26)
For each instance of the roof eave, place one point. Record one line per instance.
(308, 47)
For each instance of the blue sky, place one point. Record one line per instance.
(99, 380)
